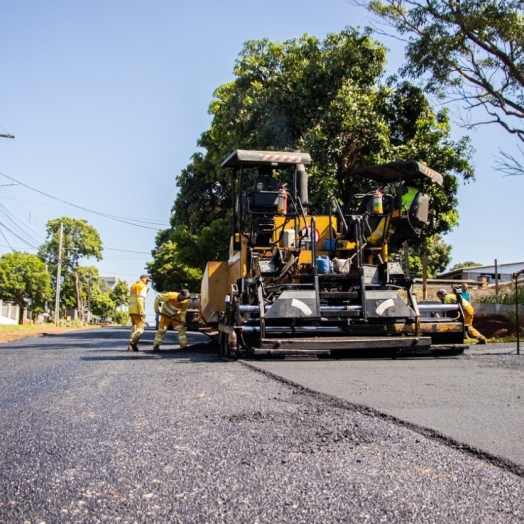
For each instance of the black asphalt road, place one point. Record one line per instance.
(476, 399)
(92, 433)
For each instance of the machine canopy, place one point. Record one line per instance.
(265, 158)
(394, 171)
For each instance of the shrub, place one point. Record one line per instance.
(505, 297)
(121, 318)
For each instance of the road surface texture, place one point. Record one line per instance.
(93, 433)
(476, 399)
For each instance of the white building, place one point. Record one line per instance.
(502, 273)
(110, 279)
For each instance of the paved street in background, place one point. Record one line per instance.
(90, 432)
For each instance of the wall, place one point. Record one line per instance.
(9, 314)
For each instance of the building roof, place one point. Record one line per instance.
(508, 267)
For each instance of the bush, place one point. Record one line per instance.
(505, 297)
(70, 323)
(121, 318)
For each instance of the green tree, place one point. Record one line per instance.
(24, 280)
(102, 305)
(79, 240)
(121, 317)
(438, 256)
(471, 50)
(120, 293)
(324, 97)
(466, 264)
(169, 273)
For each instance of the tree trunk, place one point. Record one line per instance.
(79, 302)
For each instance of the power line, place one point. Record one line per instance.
(5, 238)
(137, 222)
(105, 248)
(11, 216)
(128, 251)
(17, 236)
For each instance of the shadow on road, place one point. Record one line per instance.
(110, 343)
(199, 352)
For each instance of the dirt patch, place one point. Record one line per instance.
(9, 336)
(494, 326)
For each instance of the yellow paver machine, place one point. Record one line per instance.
(337, 284)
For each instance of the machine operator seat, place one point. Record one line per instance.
(265, 183)
(262, 202)
(265, 190)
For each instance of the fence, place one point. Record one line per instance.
(9, 313)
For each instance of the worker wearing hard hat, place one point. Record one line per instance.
(172, 312)
(453, 298)
(137, 310)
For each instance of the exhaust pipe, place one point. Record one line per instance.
(301, 185)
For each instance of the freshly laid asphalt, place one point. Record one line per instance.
(476, 399)
(92, 433)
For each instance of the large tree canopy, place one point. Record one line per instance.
(24, 280)
(79, 240)
(467, 264)
(471, 50)
(327, 98)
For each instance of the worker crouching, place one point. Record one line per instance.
(172, 313)
(452, 298)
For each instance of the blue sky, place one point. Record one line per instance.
(107, 99)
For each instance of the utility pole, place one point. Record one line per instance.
(58, 276)
(424, 276)
(89, 297)
(496, 282)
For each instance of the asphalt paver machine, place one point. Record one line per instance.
(299, 285)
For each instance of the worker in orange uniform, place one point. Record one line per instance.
(137, 310)
(453, 298)
(172, 312)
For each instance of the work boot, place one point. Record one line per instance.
(132, 347)
(156, 348)
(482, 340)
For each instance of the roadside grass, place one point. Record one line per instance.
(17, 327)
(503, 340)
(10, 328)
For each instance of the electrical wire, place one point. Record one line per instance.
(17, 236)
(128, 251)
(137, 222)
(20, 219)
(5, 238)
(31, 236)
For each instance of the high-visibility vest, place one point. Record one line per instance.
(137, 298)
(451, 298)
(171, 306)
(407, 198)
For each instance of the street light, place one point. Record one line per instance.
(11, 184)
